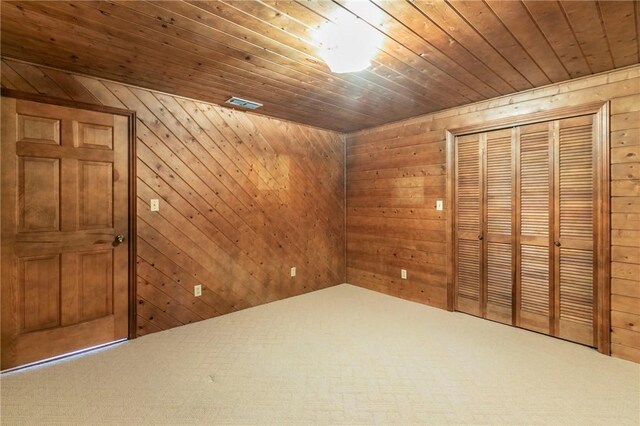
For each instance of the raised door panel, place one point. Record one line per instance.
(95, 202)
(535, 147)
(38, 194)
(95, 277)
(468, 225)
(38, 130)
(39, 292)
(94, 136)
(575, 230)
(499, 226)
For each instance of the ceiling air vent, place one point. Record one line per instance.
(243, 103)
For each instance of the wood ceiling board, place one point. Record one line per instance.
(486, 23)
(262, 34)
(395, 51)
(429, 31)
(553, 24)
(519, 22)
(458, 30)
(383, 70)
(435, 55)
(427, 56)
(350, 85)
(434, 90)
(623, 40)
(584, 18)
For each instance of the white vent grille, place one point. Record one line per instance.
(243, 103)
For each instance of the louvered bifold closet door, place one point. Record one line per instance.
(535, 146)
(574, 239)
(498, 231)
(468, 225)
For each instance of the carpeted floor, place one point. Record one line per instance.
(343, 355)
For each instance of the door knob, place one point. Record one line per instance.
(480, 237)
(557, 243)
(119, 238)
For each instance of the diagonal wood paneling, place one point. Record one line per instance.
(395, 174)
(435, 55)
(243, 198)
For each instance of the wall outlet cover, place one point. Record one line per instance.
(293, 271)
(197, 290)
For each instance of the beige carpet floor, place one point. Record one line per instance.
(343, 355)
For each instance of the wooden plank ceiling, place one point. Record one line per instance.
(436, 54)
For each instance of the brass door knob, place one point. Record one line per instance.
(119, 238)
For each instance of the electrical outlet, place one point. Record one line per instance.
(403, 274)
(197, 290)
(293, 271)
(155, 205)
(439, 205)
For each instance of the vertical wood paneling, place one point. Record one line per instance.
(242, 199)
(427, 134)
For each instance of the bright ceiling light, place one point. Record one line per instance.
(348, 44)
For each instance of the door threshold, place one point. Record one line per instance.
(56, 358)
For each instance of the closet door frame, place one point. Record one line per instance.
(602, 232)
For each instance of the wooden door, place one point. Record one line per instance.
(64, 200)
(498, 225)
(574, 217)
(535, 163)
(469, 270)
(485, 174)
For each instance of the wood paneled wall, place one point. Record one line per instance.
(396, 172)
(242, 199)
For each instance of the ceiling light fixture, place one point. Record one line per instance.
(348, 44)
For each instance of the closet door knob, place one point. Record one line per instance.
(480, 237)
(557, 243)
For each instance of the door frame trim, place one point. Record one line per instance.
(132, 191)
(601, 110)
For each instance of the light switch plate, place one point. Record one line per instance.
(403, 274)
(439, 205)
(293, 271)
(155, 205)
(197, 290)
